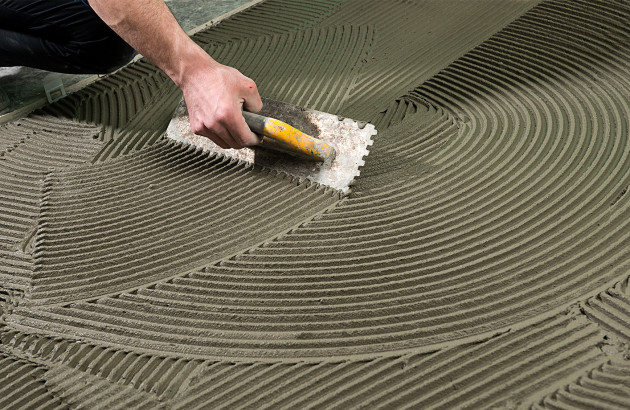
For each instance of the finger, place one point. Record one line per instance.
(221, 137)
(230, 134)
(252, 101)
(215, 138)
(241, 132)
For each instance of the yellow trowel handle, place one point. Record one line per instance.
(283, 137)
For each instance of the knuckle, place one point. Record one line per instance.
(197, 127)
(221, 116)
(211, 125)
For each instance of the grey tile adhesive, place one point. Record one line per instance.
(480, 258)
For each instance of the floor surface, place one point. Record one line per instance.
(480, 260)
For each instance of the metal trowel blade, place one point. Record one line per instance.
(350, 138)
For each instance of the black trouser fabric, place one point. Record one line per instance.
(58, 35)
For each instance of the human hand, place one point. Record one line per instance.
(215, 97)
(214, 93)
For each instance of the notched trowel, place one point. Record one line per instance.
(302, 142)
(280, 136)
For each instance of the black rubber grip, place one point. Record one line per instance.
(255, 122)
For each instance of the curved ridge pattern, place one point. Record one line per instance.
(38, 144)
(132, 108)
(395, 69)
(22, 385)
(546, 353)
(611, 310)
(159, 375)
(78, 389)
(607, 386)
(269, 18)
(157, 214)
(427, 249)
(462, 271)
(312, 68)
(234, 299)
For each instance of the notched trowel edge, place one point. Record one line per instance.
(350, 139)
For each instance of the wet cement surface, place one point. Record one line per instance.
(480, 260)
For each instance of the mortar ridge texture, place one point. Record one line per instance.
(480, 260)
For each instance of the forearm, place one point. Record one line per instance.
(215, 94)
(150, 28)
